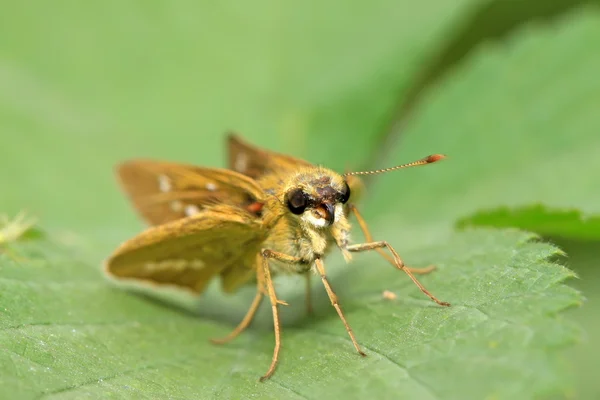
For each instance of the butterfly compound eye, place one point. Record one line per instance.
(297, 201)
(345, 194)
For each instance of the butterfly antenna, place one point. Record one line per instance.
(423, 161)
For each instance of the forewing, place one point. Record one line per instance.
(164, 191)
(188, 252)
(255, 162)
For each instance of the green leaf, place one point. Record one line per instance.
(84, 86)
(99, 83)
(540, 219)
(66, 334)
(519, 123)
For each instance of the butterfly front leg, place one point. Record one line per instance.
(334, 302)
(398, 263)
(268, 284)
(270, 254)
(369, 238)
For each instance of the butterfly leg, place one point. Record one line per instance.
(260, 294)
(247, 318)
(334, 302)
(398, 263)
(270, 254)
(369, 238)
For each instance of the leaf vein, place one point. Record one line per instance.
(397, 364)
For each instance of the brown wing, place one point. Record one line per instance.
(187, 253)
(255, 162)
(164, 191)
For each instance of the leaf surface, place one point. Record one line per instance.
(65, 333)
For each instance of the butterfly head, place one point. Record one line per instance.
(318, 199)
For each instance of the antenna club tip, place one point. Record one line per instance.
(435, 157)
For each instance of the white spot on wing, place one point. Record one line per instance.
(174, 264)
(241, 162)
(191, 210)
(211, 187)
(164, 183)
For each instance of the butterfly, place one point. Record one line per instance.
(268, 214)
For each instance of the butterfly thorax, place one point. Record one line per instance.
(307, 215)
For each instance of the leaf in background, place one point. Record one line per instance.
(64, 333)
(583, 358)
(519, 124)
(83, 86)
(540, 219)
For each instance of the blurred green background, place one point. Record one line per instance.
(508, 89)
